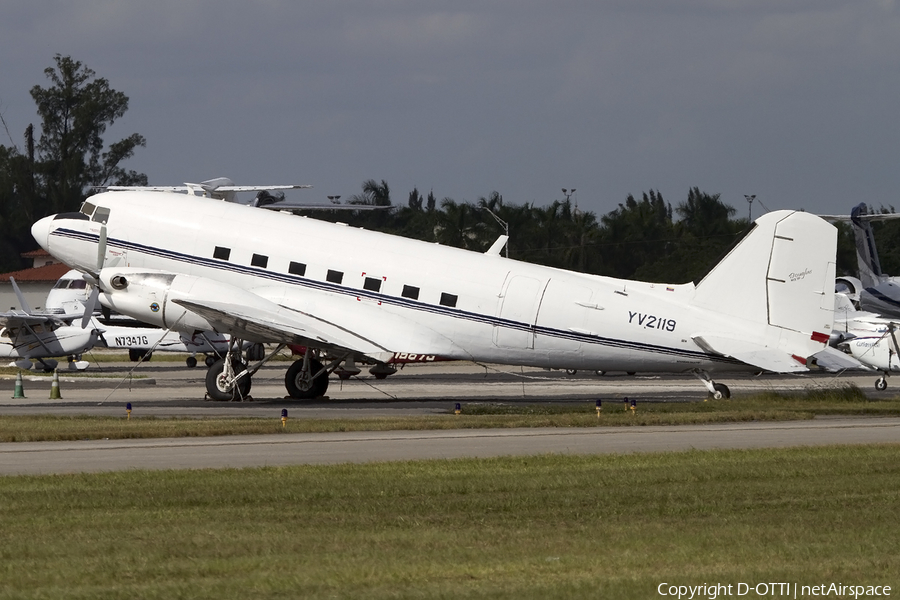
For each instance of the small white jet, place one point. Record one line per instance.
(362, 296)
(874, 291)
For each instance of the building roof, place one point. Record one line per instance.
(38, 274)
(39, 253)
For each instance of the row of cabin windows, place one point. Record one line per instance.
(372, 284)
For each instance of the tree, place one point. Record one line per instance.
(75, 112)
(373, 192)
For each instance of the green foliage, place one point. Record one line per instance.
(638, 240)
(70, 157)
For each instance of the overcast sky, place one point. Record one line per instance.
(794, 101)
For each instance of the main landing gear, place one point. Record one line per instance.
(229, 378)
(717, 391)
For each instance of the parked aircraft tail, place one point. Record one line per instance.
(777, 285)
(870, 273)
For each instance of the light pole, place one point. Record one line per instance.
(568, 193)
(505, 227)
(750, 203)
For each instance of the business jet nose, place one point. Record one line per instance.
(41, 232)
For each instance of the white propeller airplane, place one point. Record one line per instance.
(270, 277)
(27, 335)
(868, 337)
(222, 188)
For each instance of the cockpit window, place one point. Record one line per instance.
(88, 208)
(78, 284)
(101, 215)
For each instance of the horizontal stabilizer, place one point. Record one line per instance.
(833, 360)
(758, 355)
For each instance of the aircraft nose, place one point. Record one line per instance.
(41, 232)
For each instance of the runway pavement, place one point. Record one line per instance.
(170, 389)
(361, 447)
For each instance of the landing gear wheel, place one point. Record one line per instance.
(300, 384)
(722, 391)
(571, 371)
(217, 383)
(135, 355)
(210, 360)
(191, 362)
(381, 375)
(256, 353)
(881, 384)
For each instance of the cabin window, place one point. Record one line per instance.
(296, 268)
(259, 260)
(334, 276)
(410, 291)
(373, 284)
(448, 299)
(101, 215)
(222, 253)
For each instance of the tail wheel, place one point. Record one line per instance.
(722, 391)
(218, 386)
(300, 383)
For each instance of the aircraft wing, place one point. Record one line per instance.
(190, 187)
(284, 326)
(18, 318)
(754, 354)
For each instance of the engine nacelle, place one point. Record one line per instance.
(148, 296)
(851, 286)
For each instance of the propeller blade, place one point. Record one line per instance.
(101, 248)
(22, 302)
(89, 306)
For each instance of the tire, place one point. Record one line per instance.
(216, 388)
(722, 391)
(210, 360)
(881, 384)
(191, 362)
(298, 385)
(571, 371)
(256, 353)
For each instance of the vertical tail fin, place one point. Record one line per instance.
(777, 285)
(870, 273)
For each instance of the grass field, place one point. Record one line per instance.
(541, 527)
